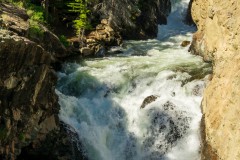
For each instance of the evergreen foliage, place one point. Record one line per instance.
(35, 12)
(80, 7)
(64, 41)
(35, 31)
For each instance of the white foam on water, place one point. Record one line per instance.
(175, 21)
(101, 99)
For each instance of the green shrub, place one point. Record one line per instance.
(64, 41)
(36, 13)
(35, 30)
(18, 3)
(81, 8)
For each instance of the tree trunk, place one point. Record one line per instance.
(80, 36)
(46, 9)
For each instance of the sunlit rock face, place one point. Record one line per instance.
(217, 40)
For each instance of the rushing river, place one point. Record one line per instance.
(102, 99)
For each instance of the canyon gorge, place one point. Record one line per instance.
(121, 94)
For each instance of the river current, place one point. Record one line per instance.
(142, 102)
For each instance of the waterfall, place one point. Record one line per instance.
(142, 104)
(175, 25)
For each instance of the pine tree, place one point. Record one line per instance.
(81, 23)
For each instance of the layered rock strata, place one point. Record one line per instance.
(28, 103)
(218, 41)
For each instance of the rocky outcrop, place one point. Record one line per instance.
(152, 14)
(218, 41)
(123, 19)
(28, 103)
(188, 18)
(135, 19)
(98, 40)
(148, 100)
(17, 21)
(60, 144)
(185, 43)
(111, 22)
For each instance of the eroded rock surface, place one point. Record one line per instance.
(135, 19)
(59, 144)
(124, 19)
(98, 40)
(28, 103)
(27, 94)
(218, 41)
(17, 21)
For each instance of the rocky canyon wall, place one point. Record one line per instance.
(218, 41)
(123, 19)
(29, 123)
(134, 19)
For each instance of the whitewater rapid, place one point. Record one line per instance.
(101, 98)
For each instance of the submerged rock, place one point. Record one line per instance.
(167, 126)
(148, 100)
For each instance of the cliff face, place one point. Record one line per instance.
(123, 19)
(28, 100)
(28, 103)
(218, 41)
(134, 19)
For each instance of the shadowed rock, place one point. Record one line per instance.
(28, 103)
